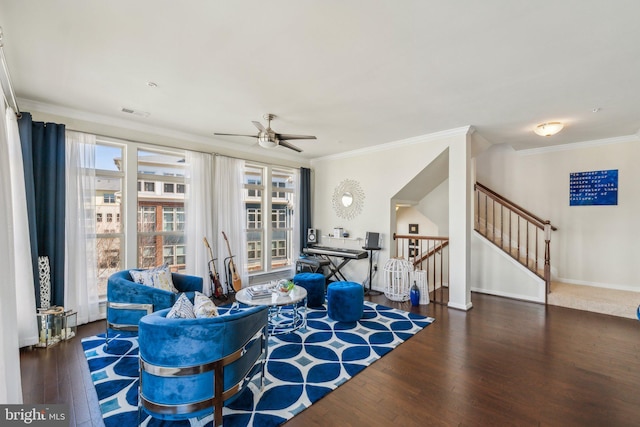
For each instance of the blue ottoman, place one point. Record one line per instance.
(314, 284)
(345, 301)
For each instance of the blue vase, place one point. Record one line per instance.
(414, 295)
(638, 312)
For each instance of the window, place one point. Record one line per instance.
(254, 218)
(161, 218)
(146, 218)
(279, 249)
(173, 218)
(174, 254)
(158, 219)
(255, 251)
(279, 235)
(279, 217)
(110, 239)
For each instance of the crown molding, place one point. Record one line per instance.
(41, 107)
(461, 131)
(248, 152)
(579, 145)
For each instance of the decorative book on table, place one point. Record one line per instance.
(259, 291)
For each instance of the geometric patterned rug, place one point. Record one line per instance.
(302, 367)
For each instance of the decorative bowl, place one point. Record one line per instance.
(282, 293)
(284, 288)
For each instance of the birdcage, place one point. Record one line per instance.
(397, 279)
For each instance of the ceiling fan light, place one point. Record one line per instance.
(548, 129)
(265, 142)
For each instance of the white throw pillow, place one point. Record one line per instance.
(182, 309)
(203, 306)
(158, 277)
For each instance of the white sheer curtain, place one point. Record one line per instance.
(26, 300)
(199, 215)
(10, 383)
(80, 292)
(230, 214)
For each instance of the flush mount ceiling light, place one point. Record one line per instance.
(548, 129)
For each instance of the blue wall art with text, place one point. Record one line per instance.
(593, 188)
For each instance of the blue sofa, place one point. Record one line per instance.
(128, 301)
(192, 367)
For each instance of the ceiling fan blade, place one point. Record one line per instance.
(285, 136)
(234, 134)
(259, 126)
(290, 146)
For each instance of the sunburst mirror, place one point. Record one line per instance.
(348, 199)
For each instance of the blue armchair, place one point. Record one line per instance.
(192, 367)
(128, 301)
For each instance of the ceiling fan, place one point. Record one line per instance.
(267, 138)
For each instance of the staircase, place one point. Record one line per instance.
(518, 232)
(431, 255)
(526, 238)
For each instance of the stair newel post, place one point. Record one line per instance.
(547, 258)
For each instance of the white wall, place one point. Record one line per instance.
(435, 206)
(411, 215)
(495, 272)
(594, 245)
(381, 172)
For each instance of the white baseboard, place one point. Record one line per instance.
(613, 286)
(509, 295)
(465, 307)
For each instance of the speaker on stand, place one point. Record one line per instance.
(312, 236)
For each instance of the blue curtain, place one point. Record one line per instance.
(305, 205)
(43, 153)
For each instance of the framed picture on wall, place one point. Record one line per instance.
(413, 248)
(413, 228)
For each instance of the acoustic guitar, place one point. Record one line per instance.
(235, 277)
(218, 292)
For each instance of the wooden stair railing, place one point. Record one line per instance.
(518, 232)
(430, 254)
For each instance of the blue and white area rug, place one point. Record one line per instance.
(302, 367)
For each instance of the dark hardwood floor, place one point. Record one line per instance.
(502, 363)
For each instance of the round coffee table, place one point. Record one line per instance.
(286, 313)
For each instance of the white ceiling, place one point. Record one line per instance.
(354, 73)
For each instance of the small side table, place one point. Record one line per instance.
(69, 325)
(49, 326)
(55, 325)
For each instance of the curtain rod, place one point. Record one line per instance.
(7, 77)
(165, 146)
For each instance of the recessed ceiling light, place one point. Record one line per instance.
(548, 129)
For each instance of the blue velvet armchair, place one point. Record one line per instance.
(128, 301)
(192, 367)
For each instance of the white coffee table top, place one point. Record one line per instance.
(297, 294)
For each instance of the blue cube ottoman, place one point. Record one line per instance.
(314, 284)
(345, 301)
